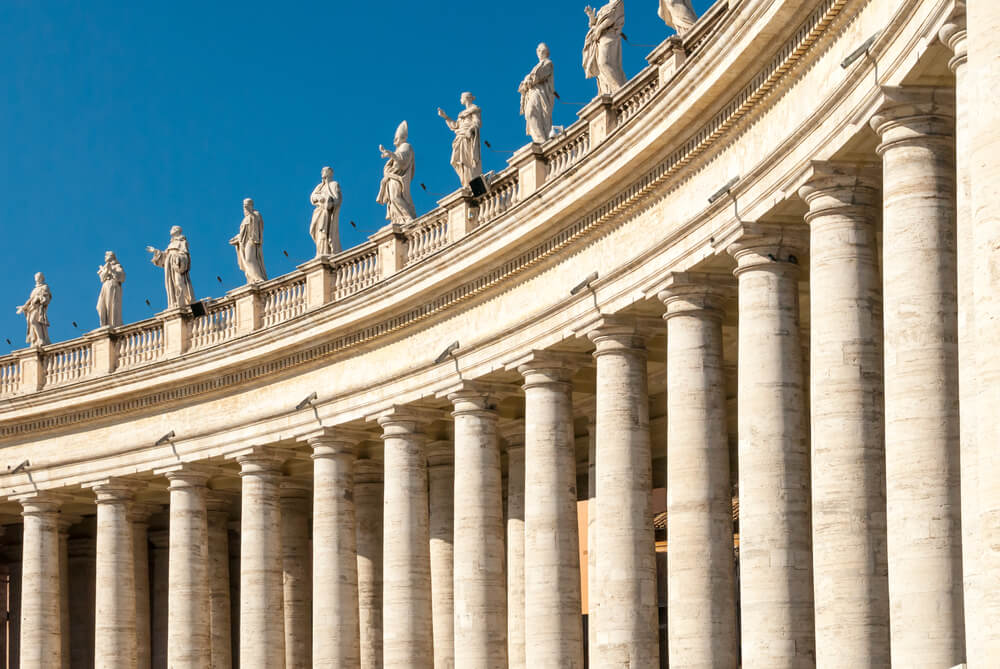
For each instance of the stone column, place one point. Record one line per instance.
(82, 557)
(188, 619)
(514, 436)
(776, 587)
(65, 521)
(14, 620)
(234, 591)
(297, 567)
(480, 597)
(984, 162)
(140, 554)
(593, 582)
(368, 510)
(921, 376)
(159, 594)
(848, 453)
(219, 605)
(700, 569)
(441, 524)
(262, 611)
(406, 571)
(41, 634)
(553, 631)
(114, 618)
(336, 635)
(626, 562)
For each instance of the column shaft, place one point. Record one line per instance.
(219, 604)
(82, 555)
(159, 594)
(368, 515)
(921, 378)
(441, 519)
(297, 567)
(593, 582)
(700, 569)
(64, 615)
(140, 554)
(515, 548)
(114, 634)
(41, 634)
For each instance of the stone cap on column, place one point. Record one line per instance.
(557, 366)
(773, 245)
(954, 35)
(839, 186)
(295, 487)
(512, 432)
(40, 501)
(367, 470)
(115, 489)
(260, 459)
(141, 511)
(476, 395)
(403, 418)
(618, 331)
(914, 114)
(707, 294)
(335, 440)
(187, 473)
(441, 453)
(221, 501)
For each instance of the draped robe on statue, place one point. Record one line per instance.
(325, 225)
(109, 302)
(465, 152)
(537, 100)
(678, 14)
(602, 49)
(35, 312)
(249, 243)
(176, 263)
(394, 191)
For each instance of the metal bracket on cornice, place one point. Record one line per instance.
(727, 189)
(449, 352)
(308, 402)
(586, 284)
(864, 50)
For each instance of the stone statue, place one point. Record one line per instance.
(602, 48)
(678, 14)
(35, 311)
(394, 191)
(466, 156)
(325, 225)
(176, 263)
(109, 302)
(248, 243)
(538, 96)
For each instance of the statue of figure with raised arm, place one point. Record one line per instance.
(466, 156)
(602, 48)
(325, 225)
(678, 14)
(35, 312)
(394, 191)
(538, 96)
(176, 263)
(248, 243)
(109, 302)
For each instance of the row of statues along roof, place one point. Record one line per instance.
(602, 60)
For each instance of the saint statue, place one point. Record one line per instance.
(176, 263)
(466, 157)
(394, 191)
(602, 48)
(538, 96)
(248, 244)
(35, 311)
(678, 14)
(109, 302)
(325, 225)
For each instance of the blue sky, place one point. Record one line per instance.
(122, 119)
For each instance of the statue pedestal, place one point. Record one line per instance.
(175, 330)
(249, 307)
(319, 290)
(531, 169)
(104, 349)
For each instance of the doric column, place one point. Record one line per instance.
(776, 588)
(368, 510)
(41, 630)
(848, 453)
(219, 605)
(82, 556)
(114, 618)
(626, 562)
(14, 552)
(262, 611)
(553, 631)
(235, 541)
(140, 554)
(406, 572)
(188, 617)
(159, 593)
(296, 564)
(921, 376)
(65, 521)
(513, 434)
(336, 635)
(593, 582)
(480, 597)
(700, 569)
(441, 524)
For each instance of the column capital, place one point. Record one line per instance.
(40, 501)
(512, 432)
(261, 459)
(953, 35)
(440, 453)
(620, 331)
(776, 247)
(115, 489)
(367, 471)
(186, 474)
(219, 501)
(539, 366)
(695, 294)
(141, 511)
(914, 114)
(491, 392)
(837, 187)
(329, 442)
(67, 520)
(292, 487)
(401, 420)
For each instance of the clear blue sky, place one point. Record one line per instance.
(122, 119)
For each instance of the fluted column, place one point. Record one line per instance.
(219, 605)
(776, 588)
(406, 572)
(441, 525)
(700, 570)
(336, 635)
(480, 597)
(159, 541)
(262, 611)
(368, 517)
(626, 562)
(921, 377)
(297, 567)
(513, 434)
(41, 632)
(114, 634)
(848, 453)
(140, 554)
(188, 613)
(553, 631)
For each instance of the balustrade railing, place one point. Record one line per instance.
(571, 148)
(354, 272)
(68, 362)
(140, 344)
(428, 234)
(501, 196)
(638, 93)
(284, 301)
(216, 326)
(10, 377)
